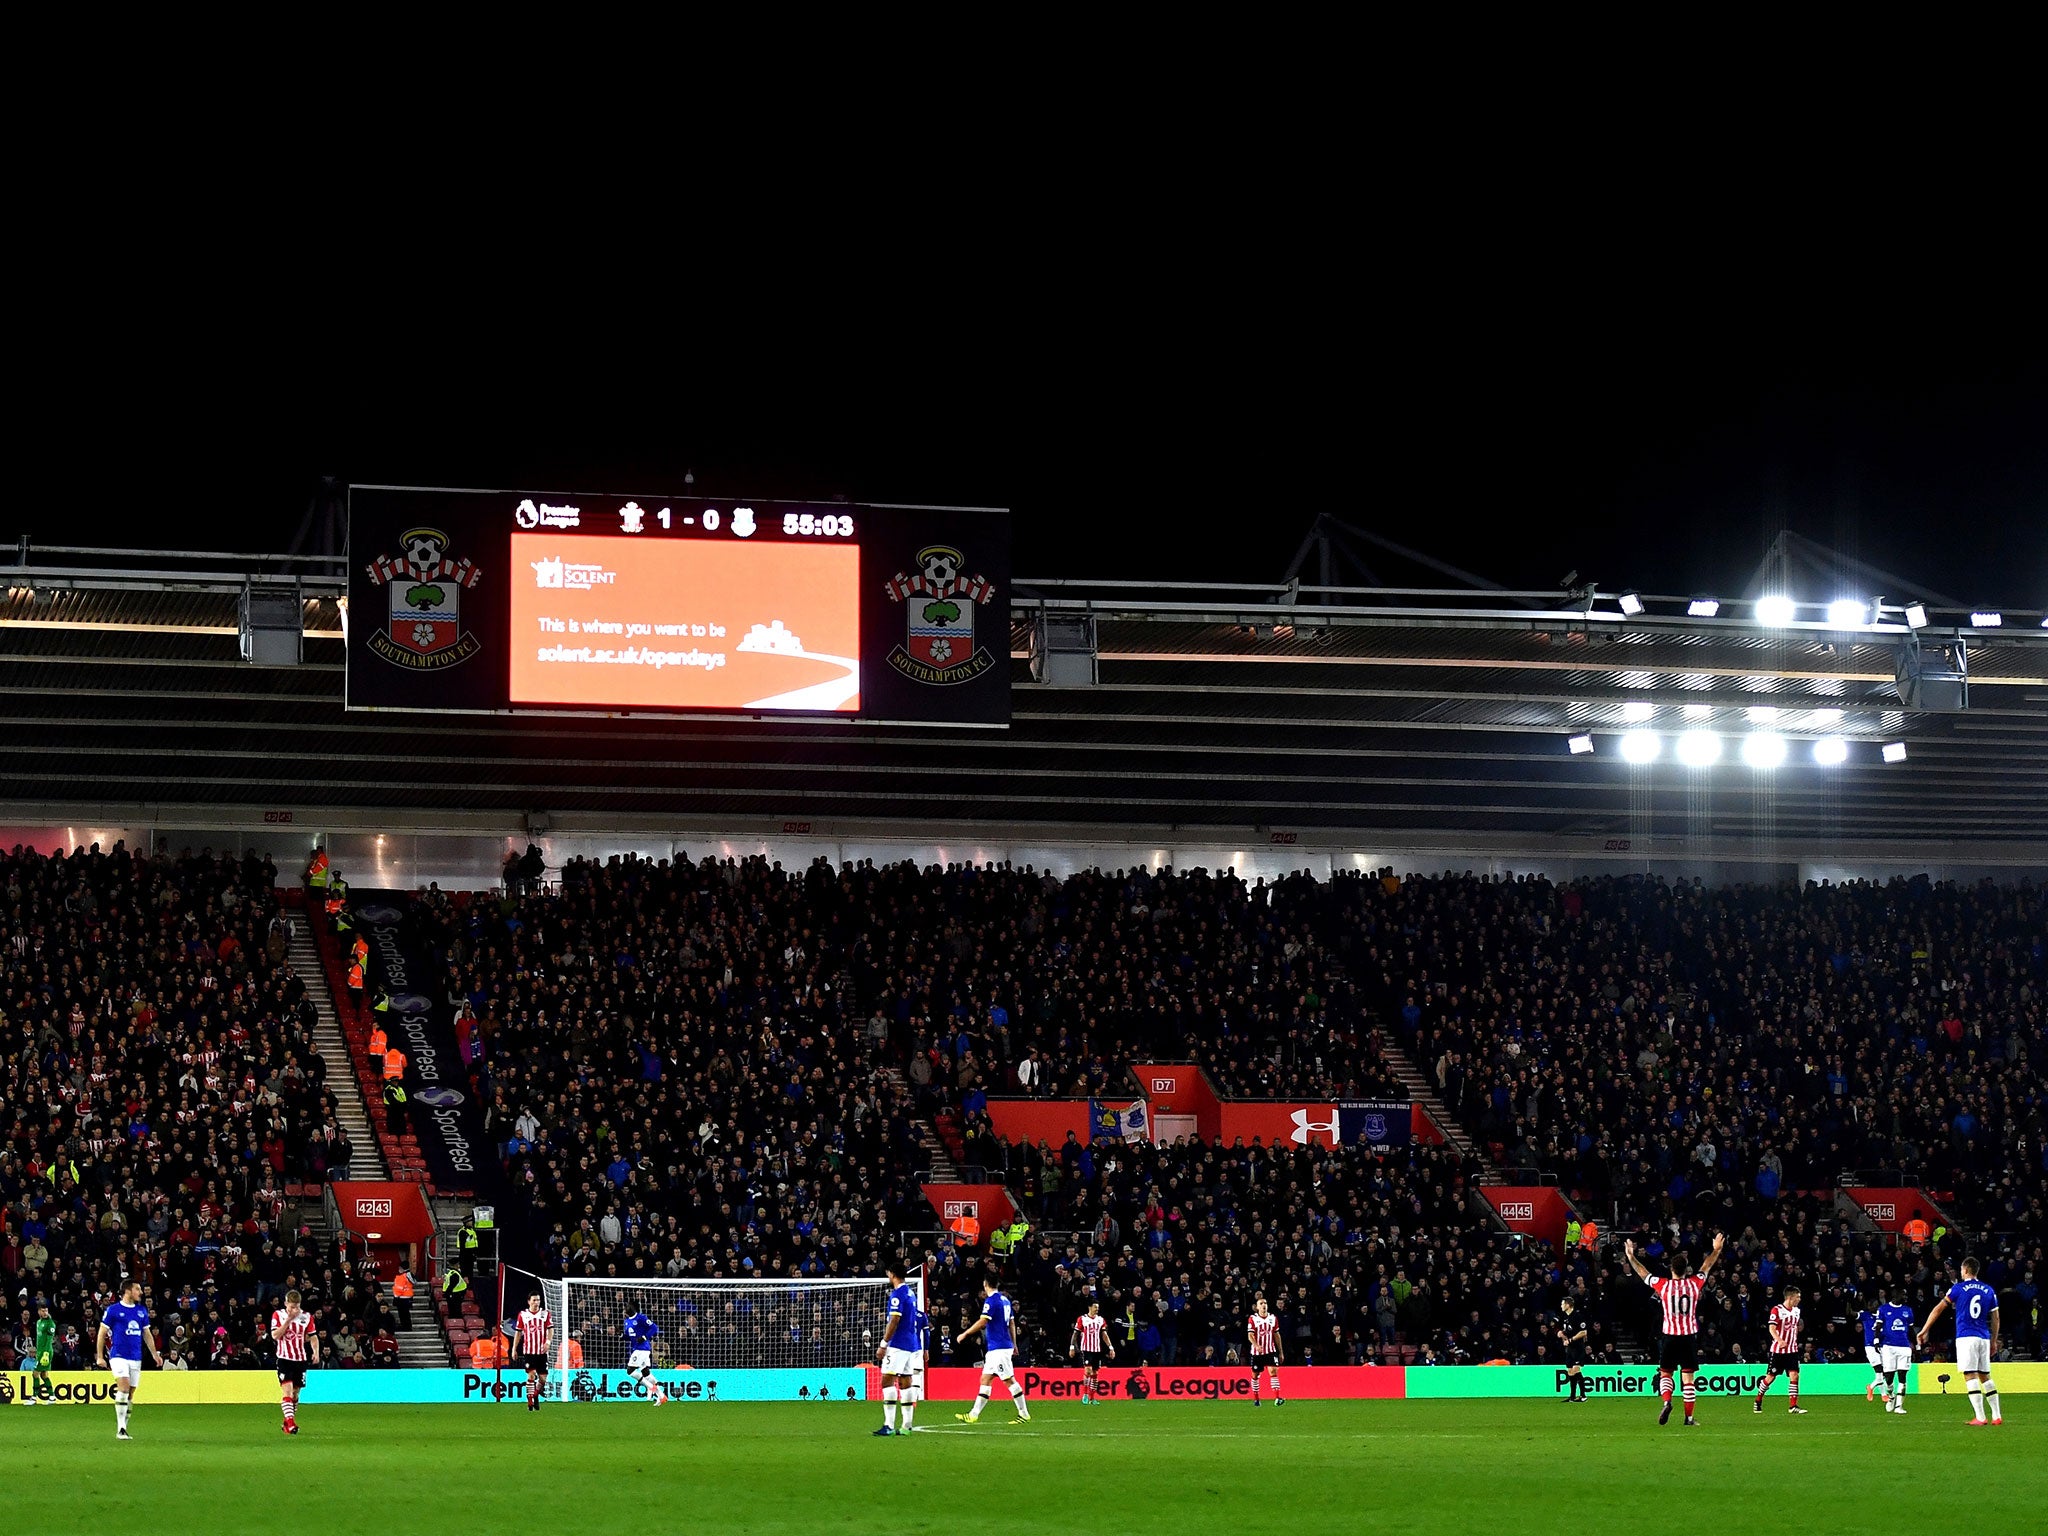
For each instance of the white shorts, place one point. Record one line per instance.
(1897, 1358)
(997, 1363)
(1875, 1356)
(902, 1362)
(129, 1371)
(640, 1360)
(1974, 1355)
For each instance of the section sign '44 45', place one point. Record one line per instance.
(938, 604)
(425, 632)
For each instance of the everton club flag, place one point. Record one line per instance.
(1375, 1124)
(1117, 1122)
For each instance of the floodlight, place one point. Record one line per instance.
(1986, 620)
(1637, 711)
(1825, 716)
(1704, 607)
(1699, 749)
(1641, 746)
(1895, 751)
(1631, 602)
(1846, 613)
(1698, 711)
(1580, 745)
(1830, 751)
(1916, 615)
(1775, 610)
(1763, 749)
(1761, 714)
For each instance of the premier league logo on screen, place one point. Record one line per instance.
(938, 604)
(425, 632)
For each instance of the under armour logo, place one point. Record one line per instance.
(1303, 1125)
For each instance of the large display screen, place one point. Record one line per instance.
(507, 601)
(664, 625)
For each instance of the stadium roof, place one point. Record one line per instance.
(1364, 710)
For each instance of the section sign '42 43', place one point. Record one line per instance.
(939, 603)
(425, 631)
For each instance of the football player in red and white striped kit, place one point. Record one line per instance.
(535, 1330)
(1091, 1342)
(298, 1345)
(1263, 1329)
(1784, 1350)
(1680, 1295)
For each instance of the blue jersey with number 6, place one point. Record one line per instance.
(997, 1310)
(1974, 1302)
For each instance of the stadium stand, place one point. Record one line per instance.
(163, 1109)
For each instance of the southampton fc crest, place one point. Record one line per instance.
(938, 608)
(425, 632)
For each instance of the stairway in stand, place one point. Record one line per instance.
(349, 1109)
(423, 1344)
(944, 1169)
(1422, 1090)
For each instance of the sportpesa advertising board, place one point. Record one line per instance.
(512, 601)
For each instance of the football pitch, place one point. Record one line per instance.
(1466, 1468)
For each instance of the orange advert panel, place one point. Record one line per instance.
(685, 624)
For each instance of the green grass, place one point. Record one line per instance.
(1468, 1469)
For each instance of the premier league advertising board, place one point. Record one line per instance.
(510, 601)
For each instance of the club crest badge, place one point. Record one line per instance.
(425, 632)
(939, 604)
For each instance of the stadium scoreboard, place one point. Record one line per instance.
(515, 601)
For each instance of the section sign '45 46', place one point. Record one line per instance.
(938, 604)
(425, 632)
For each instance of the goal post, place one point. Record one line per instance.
(707, 1326)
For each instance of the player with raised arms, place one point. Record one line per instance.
(124, 1329)
(641, 1331)
(1262, 1329)
(1895, 1335)
(1680, 1296)
(1784, 1326)
(535, 1329)
(1091, 1343)
(1000, 1319)
(1976, 1307)
(901, 1352)
(298, 1345)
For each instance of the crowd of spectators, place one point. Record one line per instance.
(716, 1068)
(1697, 1052)
(159, 1094)
(1366, 1259)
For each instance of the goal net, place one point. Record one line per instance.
(707, 1326)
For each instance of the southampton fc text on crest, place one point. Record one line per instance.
(938, 606)
(425, 633)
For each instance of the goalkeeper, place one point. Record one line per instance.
(46, 1349)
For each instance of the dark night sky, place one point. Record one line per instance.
(1151, 398)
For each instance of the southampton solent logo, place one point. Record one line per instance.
(939, 604)
(426, 586)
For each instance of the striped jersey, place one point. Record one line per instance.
(1784, 1330)
(1265, 1334)
(1090, 1330)
(533, 1331)
(290, 1334)
(1681, 1299)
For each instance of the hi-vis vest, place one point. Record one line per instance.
(452, 1283)
(394, 1091)
(355, 976)
(401, 1285)
(316, 870)
(468, 1239)
(394, 1062)
(379, 1041)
